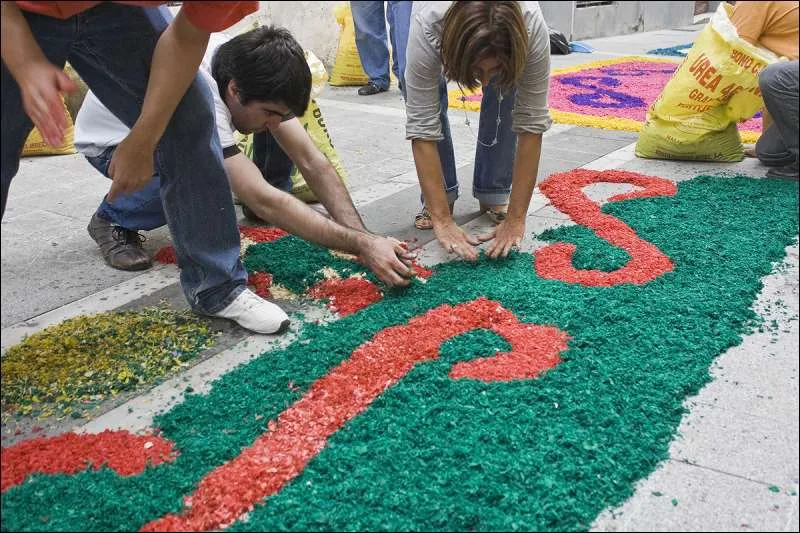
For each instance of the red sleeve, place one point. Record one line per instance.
(216, 16)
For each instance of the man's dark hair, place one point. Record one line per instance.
(267, 64)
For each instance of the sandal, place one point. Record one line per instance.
(423, 221)
(496, 213)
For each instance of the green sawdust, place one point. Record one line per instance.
(438, 454)
(593, 252)
(84, 360)
(297, 264)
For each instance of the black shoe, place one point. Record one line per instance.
(370, 89)
(788, 171)
(121, 247)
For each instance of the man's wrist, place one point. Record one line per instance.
(144, 136)
(363, 240)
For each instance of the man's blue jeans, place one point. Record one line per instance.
(369, 20)
(111, 47)
(143, 210)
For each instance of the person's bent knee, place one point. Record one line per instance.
(195, 113)
(776, 77)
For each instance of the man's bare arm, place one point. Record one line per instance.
(386, 257)
(318, 173)
(176, 59)
(40, 81)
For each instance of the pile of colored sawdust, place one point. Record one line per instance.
(675, 51)
(86, 359)
(297, 264)
(612, 94)
(436, 453)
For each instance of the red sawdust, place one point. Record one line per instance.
(123, 452)
(262, 234)
(167, 255)
(564, 191)
(302, 431)
(421, 271)
(346, 296)
(261, 282)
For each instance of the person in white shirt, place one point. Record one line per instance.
(253, 93)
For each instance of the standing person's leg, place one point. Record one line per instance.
(113, 55)
(447, 157)
(369, 20)
(495, 152)
(446, 153)
(115, 227)
(15, 126)
(778, 146)
(399, 16)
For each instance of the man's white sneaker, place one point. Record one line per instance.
(256, 314)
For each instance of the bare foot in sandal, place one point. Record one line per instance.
(496, 213)
(423, 220)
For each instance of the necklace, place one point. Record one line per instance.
(497, 121)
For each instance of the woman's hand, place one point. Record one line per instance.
(507, 236)
(455, 240)
(40, 84)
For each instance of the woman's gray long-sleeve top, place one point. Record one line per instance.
(424, 66)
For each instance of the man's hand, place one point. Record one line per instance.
(41, 84)
(388, 258)
(455, 240)
(131, 166)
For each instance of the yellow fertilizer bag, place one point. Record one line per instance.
(716, 86)
(347, 69)
(36, 145)
(314, 124)
(319, 76)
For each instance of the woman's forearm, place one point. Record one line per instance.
(526, 168)
(429, 171)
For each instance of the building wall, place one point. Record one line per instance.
(618, 18)
(313, 23)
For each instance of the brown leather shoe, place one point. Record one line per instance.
(121, 247)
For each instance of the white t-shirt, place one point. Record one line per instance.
(97, 128)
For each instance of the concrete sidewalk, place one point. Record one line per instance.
(741, 434)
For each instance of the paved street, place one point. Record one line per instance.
(738, 439)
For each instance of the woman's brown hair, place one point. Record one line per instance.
(474, 31)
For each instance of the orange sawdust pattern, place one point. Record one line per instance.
(69, 453)
(564, 191)
(301, 432)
